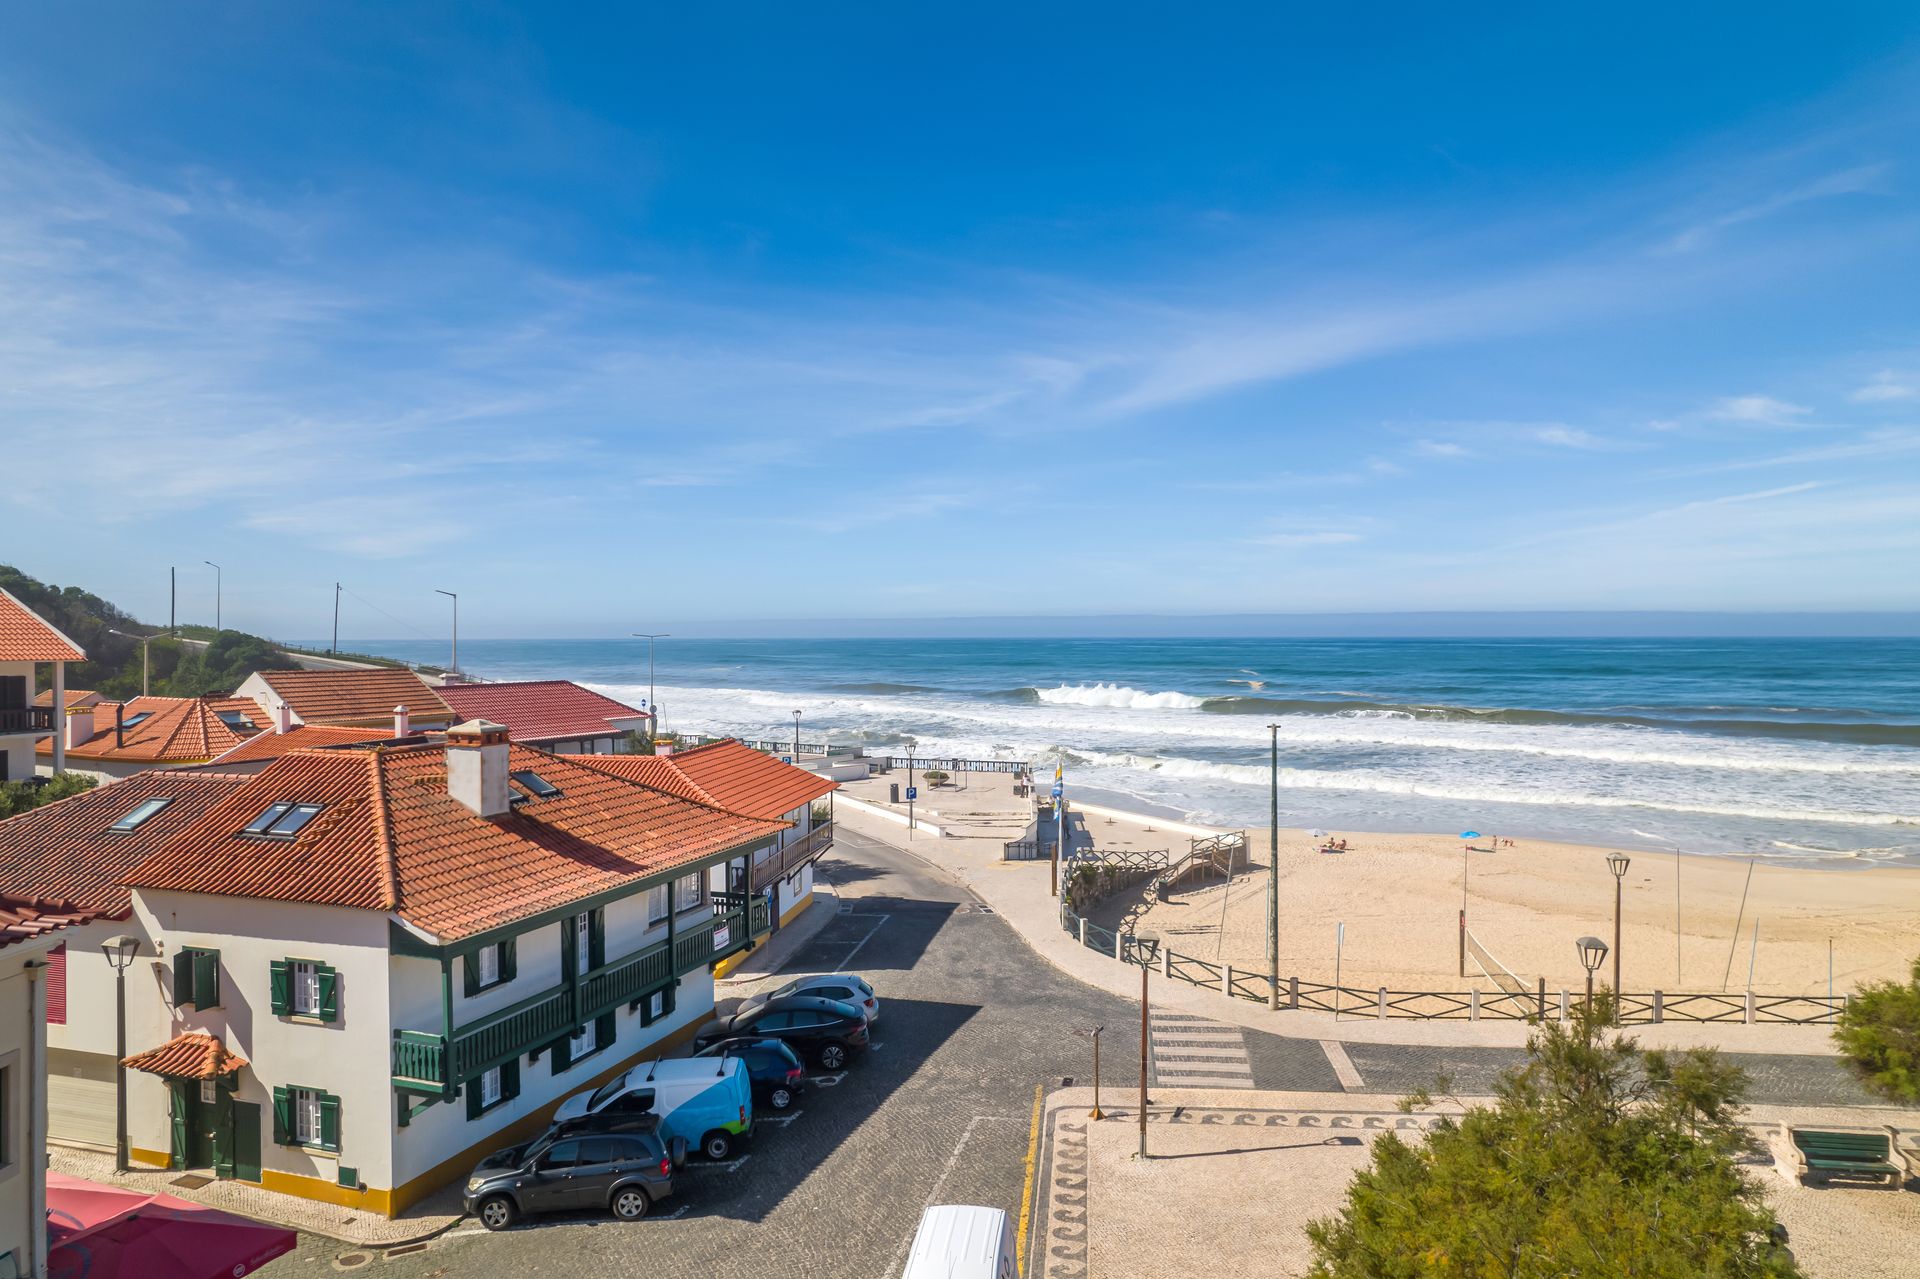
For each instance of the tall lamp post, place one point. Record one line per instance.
(456, 626)
(216, 592)
(146, 667)
(120, 952)
(1593, 953)
(653, 707)
(1617, 863)
(796, 737)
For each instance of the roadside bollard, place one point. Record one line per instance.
(1473, 1005)
(1659, 1007)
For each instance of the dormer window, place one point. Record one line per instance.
(537, 786)
(141, 812)
(282, 821)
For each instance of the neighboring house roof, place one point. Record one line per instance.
(320, 697)
(25, 636)
(177, 730)
(726, 773)
(190, 1056)
(271, 746)
(389, 837)
(66, 853)
(27, 920)
(540, 710)
(75, 697)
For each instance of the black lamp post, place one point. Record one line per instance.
(1593, 953)
(1094, 1034)
(796, 738)
(1617, 863)
(120, 952)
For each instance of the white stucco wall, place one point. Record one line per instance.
(18, 747)
(349, 1057)
(23, 1210)
(90, 999)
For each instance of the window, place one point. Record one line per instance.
(196, 977)
(656, 904)
(306, 1117)
(586, 1041)
(132, 721)
(305, 988)
(493, 1088)
(596, 1036)
(209, 1092)
(282, 821)
(687, 892)
(583, 931)
(773, 1021)
(562, 1154)
(599, 1150)
(144, 809)
(235, 720)
(488, 960)
(539, 786)
(637, 1102)
(490, 966)
(490, 1088)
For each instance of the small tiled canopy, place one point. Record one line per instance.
(189, 1056)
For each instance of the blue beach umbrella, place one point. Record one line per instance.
(1469, 834)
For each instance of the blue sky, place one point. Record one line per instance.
(610, 319)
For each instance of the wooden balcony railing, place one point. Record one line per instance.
(790, 859)
(26, 719)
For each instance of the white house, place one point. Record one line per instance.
(25, 641)
(370, 965)
(361, 697)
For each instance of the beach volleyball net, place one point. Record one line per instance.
(1492, 969)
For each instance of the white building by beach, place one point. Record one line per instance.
(26, 640)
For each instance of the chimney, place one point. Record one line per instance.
(663, 746)
(477, 766)
(79, 725)
(119, 725)
(402, 722)
(282, 716)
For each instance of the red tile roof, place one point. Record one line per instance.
(63, 852)
(333, 697)
(26, 637)
(25, 920)
(177, 730)
(540, 710)
(189, 1056)
(726, 773)
(391, 838)
(271, 746)
(75, 697)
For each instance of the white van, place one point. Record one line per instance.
(960, 1242)
(707, 1100)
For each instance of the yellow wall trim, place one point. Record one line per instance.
(153, 1158)
(323, 1191)
(793, 913)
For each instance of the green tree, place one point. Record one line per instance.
(935, 777)
(18, 797)
(1595, 1160)
(1879, 1035)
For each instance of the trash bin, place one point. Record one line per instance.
(893, 792)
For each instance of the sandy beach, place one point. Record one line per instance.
(1400, 897)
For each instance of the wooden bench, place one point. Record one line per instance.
(1829, 1152)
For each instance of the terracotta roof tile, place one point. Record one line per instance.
(27, 637)
(271, 746)
(390, 837)
(189, 1056)
(64, 852)
(726, 773)
(24, 920)
(339, 696)
(177, 730)
(541, 710)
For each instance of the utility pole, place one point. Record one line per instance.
(336, 619)
(216, 593)
(456, 626)
(1273, 871)
(146, 667)
(173, 598)
(653, 707)
(796, 738)
(1143, 1060)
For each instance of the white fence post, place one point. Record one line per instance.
(1166, 960)
(1749, 1008)
(1120, 948)
(1380, 1004)
(1473, 1005)
(1563, 1005)
(1226, 980)
(1083, 930)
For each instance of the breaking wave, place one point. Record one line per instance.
(1118, 696)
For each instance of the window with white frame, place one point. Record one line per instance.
(687, 892)
(587, 1041)
(583, 942)
(306, 1115)
(656, 904)
(490, 1088)
(486, 962)
(305, 987)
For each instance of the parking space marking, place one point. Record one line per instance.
(728, 1166)
(828, 1081)
(847, 963)
(787, 1118)
(681, 1211)
(953, 1160)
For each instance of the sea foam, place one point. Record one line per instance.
(1118, 696)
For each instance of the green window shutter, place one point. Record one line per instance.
(510, 1080)
(329, 1121)
(473, 1098)
(567, 952)
(206, 979)
(562, 1053)
(329, 994)
(282, 1117)
(470, 969)
(596, 938)
(183, 978)
(605, 1029)
(280, 986)
(509, 960)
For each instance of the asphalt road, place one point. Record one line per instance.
(972, 1023)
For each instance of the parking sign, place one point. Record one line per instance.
(913, 792)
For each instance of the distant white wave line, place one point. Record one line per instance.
(1321, 779)
(1118, 695)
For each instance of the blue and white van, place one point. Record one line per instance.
(706, 1100)
(960, 1241)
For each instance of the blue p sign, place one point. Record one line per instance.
(913, 792)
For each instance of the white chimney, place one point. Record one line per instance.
(477, 766)
(663, 746)
(79, 725)
(402, 722)
(282, 716)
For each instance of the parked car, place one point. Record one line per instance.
(614, 1121)
(956, 1241)
(848, 988)
(773, 1067)
(707, 1102)
(827, 1030)
(626, 1173)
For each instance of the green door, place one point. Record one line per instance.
(203, 1112)
(246, 1140)
(180, 1111)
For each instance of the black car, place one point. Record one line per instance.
(825, 1029)
(623, 1172)
(773, 1068)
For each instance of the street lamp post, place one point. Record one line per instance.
(1593, 953)
(216, 592)
(1617, 863)
(120, 952)
(653, 707)
(456, 626)
(1273, 874)
(146, 667)
(1094, 1034)
(796, 738)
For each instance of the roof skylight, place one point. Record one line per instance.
(535, 783)
(140, 812)
(282, 820)
(235, 720)
(140, 718)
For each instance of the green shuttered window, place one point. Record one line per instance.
(493, 1088)
(196, 977)
(488, 967)
(304, 988)
(306, 1117)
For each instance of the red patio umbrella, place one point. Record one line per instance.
(150, 1235)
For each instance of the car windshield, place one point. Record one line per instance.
(608, 1091)
(508, 1158)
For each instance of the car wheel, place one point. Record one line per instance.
(630, 1203)
(780, 1098)
(717, 1145)
(497, 1212)
(833, 1056)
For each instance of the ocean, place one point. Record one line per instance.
(1804, 750)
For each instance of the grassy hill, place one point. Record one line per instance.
(113, 665)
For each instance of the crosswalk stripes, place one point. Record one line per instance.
(1192, 1052)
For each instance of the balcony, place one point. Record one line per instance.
(790, 859)
(26, 719)
(429, 1063)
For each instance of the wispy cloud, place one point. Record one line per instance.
(1884, 387)
(1762, 410)
(1854, 181)
(1317, 537)
(1569, 437)
(1439, 448)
